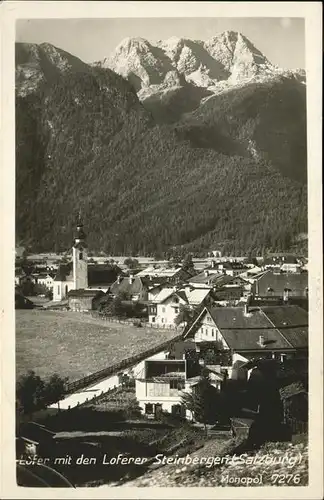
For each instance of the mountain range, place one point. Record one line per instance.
(178, 145)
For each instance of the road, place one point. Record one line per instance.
(87, 393)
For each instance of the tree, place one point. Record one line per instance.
(187, 263)
(114, 307)
(186, 315)
(55, 389)
(202, 401)
(131, 263)
(30, 393)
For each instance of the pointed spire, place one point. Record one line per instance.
(80, 235)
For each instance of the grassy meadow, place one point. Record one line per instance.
(76, 345)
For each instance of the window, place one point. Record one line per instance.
(58, 289)
(176, 310)
(177, 384)
(176, 300)
(163, 309)
(153, 319)
(212, 332)
(80, 255)
(148, 409)
(206, 331)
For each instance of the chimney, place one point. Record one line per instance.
(119, 278)
(131, 279)
(206, 272)
(261, 341)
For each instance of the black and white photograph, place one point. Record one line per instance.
(162, 263)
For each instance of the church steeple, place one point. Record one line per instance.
(80, 265)
(80, 236)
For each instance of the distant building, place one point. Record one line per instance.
(83, 300)
(283, 262)
(78, 275)
(46, 280)
(283, 285)
(173, 275)
(132, 287)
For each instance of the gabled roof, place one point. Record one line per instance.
(280, 281)
(163, 295)
(196, 295)
(125, 286)
(242, 332)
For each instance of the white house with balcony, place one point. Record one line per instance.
(161, 384)
(165, 307)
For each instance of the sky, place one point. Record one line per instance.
(281, 40)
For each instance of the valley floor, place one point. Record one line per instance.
(76, 345)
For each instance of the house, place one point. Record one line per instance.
(161, 384)
(283, 285)
(173, 275)
(231, 267)
(282, 261)
(165, 307)
(131, 287)
(234, 335)
(84, 300)
(46, 279)
(211, 278)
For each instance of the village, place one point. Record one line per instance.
(223, 329)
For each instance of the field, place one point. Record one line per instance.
(75, 345)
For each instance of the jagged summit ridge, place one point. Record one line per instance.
(226, 57)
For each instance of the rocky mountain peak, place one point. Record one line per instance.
(226, 57)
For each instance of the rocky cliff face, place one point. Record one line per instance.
(227, 57)
(38, 64)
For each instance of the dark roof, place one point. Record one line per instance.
(153, 282)
(242, 332)
(63, 272)
(99, 274)
(125, 286)
(296, 282)
(85, 293)
(291, 321)
(280, 258)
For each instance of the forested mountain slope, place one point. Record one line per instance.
(231, 174)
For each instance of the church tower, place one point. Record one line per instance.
(80, 258)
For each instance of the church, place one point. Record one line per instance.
(78, 276)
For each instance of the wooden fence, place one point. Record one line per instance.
(125, 363)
